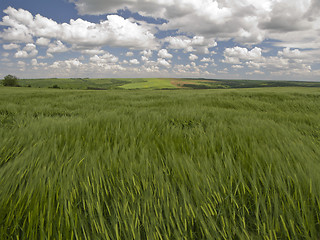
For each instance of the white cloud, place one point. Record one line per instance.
(104, 59)
(146, 53)
(67, 64)
(28, 51)
(163, 53)
(231, 60)
(36, 65)
(76, 68)
(246, 21)
(288, 53)
(34, 62)
(291, 25)
(193, 57)
(255, 72)
(57, 47)
(21, 54)
(206, 60)
(205, 17)
(285, 63)
(143, 58)
(252, 64)
(92, 51)
(129, 54)
(115, 31)
(43, 41)
(22, 65)
(134, 61)
(17, 20)
(164, 63)
(198, 44)
(237, 66)
(151, 69)
(49, 55)
(236, 54)
(29, 47)
(10, 46)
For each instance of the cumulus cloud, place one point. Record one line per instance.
(234, 55)
(115, 31)
(21, 54)
(34, 62)
(198, 44)
(206, 60)
(67, 64)
(197, 26)
(237, 66)
(106, 58)
(151, 69)
(163, 63)
(134, 61)
(49, 55)
(129, 54)
(193, 57)
(28, 51)
(287, 62)
(94, 51)
(43, 41)
(146, 53)
(163, 53)
(205, 17)
(57, 47)
(29, 47)
(292, 54)
(246, 21)
(17, 21)
(37, 65)
(10, 46)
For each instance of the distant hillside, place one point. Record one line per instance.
(156, 83)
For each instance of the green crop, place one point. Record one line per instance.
(185, 164)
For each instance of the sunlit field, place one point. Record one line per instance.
(145, 164)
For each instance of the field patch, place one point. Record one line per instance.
(149, 83)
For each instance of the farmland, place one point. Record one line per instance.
(145, 164)
(156, 83)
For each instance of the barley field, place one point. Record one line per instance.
(154, 164)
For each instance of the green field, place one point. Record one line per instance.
(133, 164)
(156, 83)
(149, 83)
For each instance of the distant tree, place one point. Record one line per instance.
(10, 81)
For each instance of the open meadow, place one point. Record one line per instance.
(146, 164)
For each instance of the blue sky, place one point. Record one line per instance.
(242, 39)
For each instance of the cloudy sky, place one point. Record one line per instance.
(244, 39)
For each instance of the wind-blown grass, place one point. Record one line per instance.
(212, 164)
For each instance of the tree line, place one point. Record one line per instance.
(10, 81)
